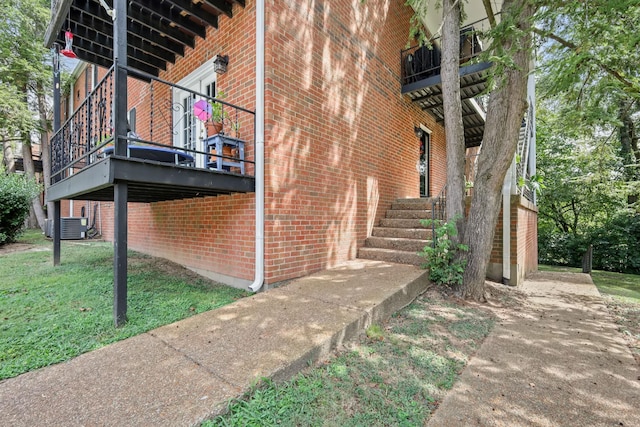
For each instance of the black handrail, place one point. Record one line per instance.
(438, 212)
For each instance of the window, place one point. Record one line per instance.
(424, 163)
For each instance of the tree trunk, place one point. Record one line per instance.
(506, 109)
(45, 153)
(454, 127)
(8, 159)
(30, 171)
(628, 146)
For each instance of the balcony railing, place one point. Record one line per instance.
(421, 61)
(88, 129)
(163, 118)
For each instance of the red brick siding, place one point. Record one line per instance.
(341, 145)
(527, 237)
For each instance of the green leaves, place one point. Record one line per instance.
(16, 193)
(25, 63)
(445, 267)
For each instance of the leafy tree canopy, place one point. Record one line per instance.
(25, 64)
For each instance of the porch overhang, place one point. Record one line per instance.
(147, 182)
(427, 93)
(158, 30)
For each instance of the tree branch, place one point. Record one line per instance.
(569, 45)
(490, 15)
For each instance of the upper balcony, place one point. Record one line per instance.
(422, 82)
(166, 154)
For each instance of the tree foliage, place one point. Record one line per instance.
(16, 192)
(24, 62)
(25, 77)
(588, 133)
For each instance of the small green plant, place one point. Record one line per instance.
(217, 113)
(534, 183)
(445, 268)
(375, 332)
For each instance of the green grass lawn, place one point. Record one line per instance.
(52, 314)
(394, 377)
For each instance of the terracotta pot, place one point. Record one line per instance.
(213, 128)
(226, 151)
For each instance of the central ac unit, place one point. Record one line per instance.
(71, 228)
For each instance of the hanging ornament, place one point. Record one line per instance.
(68, 45)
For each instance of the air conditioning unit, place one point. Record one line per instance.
(71, 228)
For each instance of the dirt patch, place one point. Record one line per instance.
(15, 247)
(165, 267)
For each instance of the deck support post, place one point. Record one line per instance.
(57, 229)
(55, 215)
(120, 189)
(120, 196)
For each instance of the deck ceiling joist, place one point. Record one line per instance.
(158, 31)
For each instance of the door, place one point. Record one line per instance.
(189, 131)
(423, 164)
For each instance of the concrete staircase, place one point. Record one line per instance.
(400, 235)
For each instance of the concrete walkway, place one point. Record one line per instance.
(557, 361)
(180, 374)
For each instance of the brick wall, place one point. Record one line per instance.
(339, 143)
(527, 253)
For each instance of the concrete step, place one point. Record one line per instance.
(402, 233)
(407, 245)
(408, 204)
(390, 255)
(401, 223)
(409, 213)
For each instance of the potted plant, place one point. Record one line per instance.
(215, 123)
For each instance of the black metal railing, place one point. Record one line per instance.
(162, 116)
(438, 212)
(423, 61)
(75, 144)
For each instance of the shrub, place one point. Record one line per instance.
(558, 248)
(445, 267)
(616, 244)
(16, 193)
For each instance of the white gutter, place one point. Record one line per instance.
(259, 155)
(506, 223)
